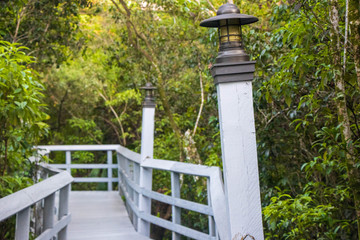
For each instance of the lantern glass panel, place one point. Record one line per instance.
(224, 36)
(230, 30)
(224, 39)
(223, 31)
(234, 33)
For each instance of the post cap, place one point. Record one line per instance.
(228, 11)
(148, 86)
(149, 100)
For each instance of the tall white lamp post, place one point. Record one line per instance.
(147, 150)
(233, 75)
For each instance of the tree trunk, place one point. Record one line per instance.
(354, 19)
(343, 117)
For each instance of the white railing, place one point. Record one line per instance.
(129, 175)
(21, 203)
(68, 149)
(129, 165)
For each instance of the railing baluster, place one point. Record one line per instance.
(22, 224)
(63, 209)
(127, 187)
(122, 177)
(109, 170)
(119, 173)
(136, 178)
(131, 176)
(127, 172)
(176, 211)
(49, 207)
(68, 161)
(212, 227)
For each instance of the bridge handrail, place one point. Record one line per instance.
(87, 147)
(130, 189)
(109, 148)
(215, 185)
(20, 203)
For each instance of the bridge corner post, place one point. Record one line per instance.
(233, 75)
(147, 150)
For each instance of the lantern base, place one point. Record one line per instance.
(228, 46)
(233, 71)
(232, 56)
(149, 103)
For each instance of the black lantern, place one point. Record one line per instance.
(149, 95)
(228, 20)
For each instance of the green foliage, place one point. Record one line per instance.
(12, 184)
(48, 28)
(301, 141)
(21, 119)
(81, 130)
(300, 218)
(322, 211)
(21, 110)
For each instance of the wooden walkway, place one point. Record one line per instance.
(99, 215)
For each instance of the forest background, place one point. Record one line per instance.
(70, 73)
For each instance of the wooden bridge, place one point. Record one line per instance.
(103, 214)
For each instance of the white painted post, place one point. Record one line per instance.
(238, 143)
(22, 224)
(176, 211)
(109, 170)
(63, 209)
(68, 161)
(120, 167)
(240, 158)
(212, 227)
(147, 150)
(49, 211)
(127, 187)
(136, 179)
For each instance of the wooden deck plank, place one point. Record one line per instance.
(99, 215)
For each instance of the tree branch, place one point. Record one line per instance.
(19, 18)
(202, 98)
(211, 6)
(346, 33)
(117, 119)
(113, 126)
